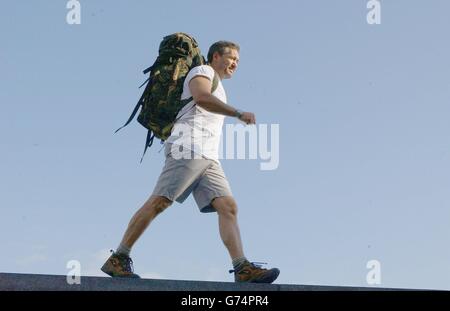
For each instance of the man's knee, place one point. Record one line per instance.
(159, 203)
(225, 205)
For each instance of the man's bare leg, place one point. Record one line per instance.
(244, 271)
(142, 219)
(119, 264)
(226, 208)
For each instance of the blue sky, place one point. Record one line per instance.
(364, 139)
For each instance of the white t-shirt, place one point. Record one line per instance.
(198, 129)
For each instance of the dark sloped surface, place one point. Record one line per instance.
(32, 282)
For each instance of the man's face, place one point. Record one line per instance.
(227, 63)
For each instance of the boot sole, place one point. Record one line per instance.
(267, 279)
(107, 271)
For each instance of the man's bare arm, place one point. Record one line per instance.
(200, 88)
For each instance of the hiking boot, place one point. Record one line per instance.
(250, 272)
(119, 265)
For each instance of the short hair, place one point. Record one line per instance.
(220, 47)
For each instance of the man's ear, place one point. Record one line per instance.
(216, 55)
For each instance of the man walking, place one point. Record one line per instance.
(192, 166)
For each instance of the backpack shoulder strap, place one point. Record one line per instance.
(215, 82)
(214, 85)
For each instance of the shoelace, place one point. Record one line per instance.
(253, 263)
(128, 262)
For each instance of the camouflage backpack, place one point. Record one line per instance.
(161, 99)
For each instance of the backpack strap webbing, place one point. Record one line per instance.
(135, 110)
(139, 103)
(148, 142)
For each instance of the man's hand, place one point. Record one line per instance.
(248, 118)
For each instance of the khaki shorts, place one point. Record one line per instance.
(203, 178)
